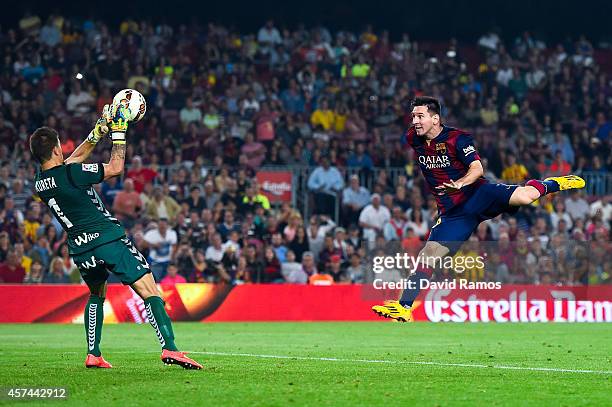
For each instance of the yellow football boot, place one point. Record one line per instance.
(568, 182)
(393, 310)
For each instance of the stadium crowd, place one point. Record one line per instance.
(222, 104)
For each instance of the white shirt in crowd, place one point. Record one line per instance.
(556, 217)
(578, 209)
(375, 217)
(163, 253)
(315, 240)
(214, 254)
(75, 103)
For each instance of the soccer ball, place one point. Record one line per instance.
(134, 101)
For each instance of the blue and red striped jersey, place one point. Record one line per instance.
(445, 158)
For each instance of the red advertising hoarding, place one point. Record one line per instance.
(262, 302)
(276, 185)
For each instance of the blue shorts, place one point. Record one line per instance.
(457, 225)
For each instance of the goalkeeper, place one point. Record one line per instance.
(96, 240)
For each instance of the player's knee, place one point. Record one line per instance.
(98, 290)
(433, 252)
(146, 287)
(524, 196)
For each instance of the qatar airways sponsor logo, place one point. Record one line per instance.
(276, 188)
(434, 161)
(563, 307)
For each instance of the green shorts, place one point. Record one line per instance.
(119, 257)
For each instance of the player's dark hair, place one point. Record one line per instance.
(432, 104)
(42, 142)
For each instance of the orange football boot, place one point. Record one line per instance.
(97, 361)
(178, 358)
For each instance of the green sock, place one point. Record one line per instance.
(94, 317)
(160, 321)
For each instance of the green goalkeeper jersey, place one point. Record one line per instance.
(67, 190)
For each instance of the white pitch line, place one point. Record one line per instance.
(404, 362)
(397, 362)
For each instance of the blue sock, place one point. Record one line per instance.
(551, 186)
(544, 187)
(410, 294)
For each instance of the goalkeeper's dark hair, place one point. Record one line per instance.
(433, 105)
(42, 142)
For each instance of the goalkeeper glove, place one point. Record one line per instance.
(100, 129)
(118, 123)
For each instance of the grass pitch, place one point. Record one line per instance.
(320, 364)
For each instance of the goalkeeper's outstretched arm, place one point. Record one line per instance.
(116, 163)
(118, 127)
(83, 151)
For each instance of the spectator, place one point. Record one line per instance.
(325, 182)
(280, 250)
(210, 196)
(394, 229)
(323, 116)
(300, 244)
(253, 151)
(417, 223)
(5, 246)
(228, 226)
(36, 274)
(271, 267)
(11, 271)
(110, 188)
(562, 145)
(268, 37)
(373, 218)
(215, 251)
(559, 166)
(577, 206)
(318, 228)
(361, 159)
(173, 277)
(189, 114)
(308, 264)
(356, 270)
(127, 204)
(292, 270)
(41, 251)
(195, 201)
(340, 243)
(162, 206)
(24, 261)
(57, 273)
(254, 198)
(79, 103)
(161, 242)
(140, 175)
(514, 173)
(354, 198)
(336, 271)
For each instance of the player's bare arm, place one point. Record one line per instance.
(118, 127)
(116, 163)
(475, 171)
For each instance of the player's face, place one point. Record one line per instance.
(422, 120)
